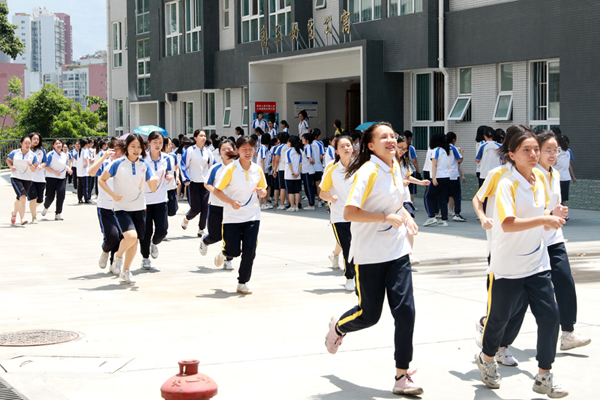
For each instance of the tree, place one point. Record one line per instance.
(75, 123)
(41, 108)
(101, 111)
(12, 108)
(9, 42)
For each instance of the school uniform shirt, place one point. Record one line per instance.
(214, 174)
(273, 133)
(286, 130)
(261, 153)
(488, 156)
(442, 170)
(58, 162)
(217, 156)
(240, 185)
(488, 191)
(552, 186)
(477, 147)
(172, 184)
(377, 188)
(268, 161)
(307, 167)
(412, 154)
(427, 164)
(335, 181)
(517, 255)
(281, 151)
(405, 173)
(40, 174)
(195, 163)
(262, 124)
(160, 168)
(318, 150)
(292, 157)
(303, 127)
(454, 159)
(329, 155)
(80, 158)
(104, 200)
(129, 178)
(19, 161)
(563, 162)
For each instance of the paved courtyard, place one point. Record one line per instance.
(269, 345)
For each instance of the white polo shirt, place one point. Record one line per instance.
(517, 255)
(57, 162)
(488, 191)
(488, 156)
(172, 184)
(442, 170)
(214, 174)
(104, 200)
(262, 124)
(307, 167)
(303, 128)
(563, 162)
(335, 181)
(329, 155)
(19, 161)
(552, 181)
(292, 157)
(240, 185)
(195, 163)
(477, 147)
(160, 168)
(128, 180)
(273, 133)
(80, 157)
(318, 150)
(454, 159)
(377, 188)
(427, 164)
(39, 175)
(281, 151)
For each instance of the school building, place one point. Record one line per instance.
(424, 65)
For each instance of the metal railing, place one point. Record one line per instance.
(6, 146)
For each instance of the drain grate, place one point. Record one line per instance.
(36, 338)
(8, 393)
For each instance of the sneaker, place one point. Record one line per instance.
(203, 248)
(243, 289)
(219, 259)
(414, 260)
(504, 357)
(268, 207)
(442, 223)
(13, 218)
(544, 384)
(333, 341)
(405, 385)
(200, 233)
(459, 218)
(127, 277)
(350, 286)
(488, 370)
(309, 208)
(572, 340)
(451, 212)
(103, 260)
(58, 217)
(281, 208)
(263, 207)
(438, 214)
(44, 212)
(184, 224)
(430, 221)
(34, 221)
(115, 267)
(479, 332)
(23, 222)
(335, 261)
(296, 209)
(291, 209)
(228, 265)
(146, 264)
(153, 251)
(319, 204)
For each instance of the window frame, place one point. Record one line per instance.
(226, 108)
(361, 9)
(226, 13)
(173, 36)
(287, 17)
(460, 81)
(258, 17)
(417, 6)
(320, 6)
(117, 41)
(508, 115)
(245, 106)
(194, 27)
(145, 14)
(548, 121)
(119, 112)
(464, 111)
(147, 72)
(207, 113)
(187, 118)
(431, 98)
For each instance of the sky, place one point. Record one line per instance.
(88, 20)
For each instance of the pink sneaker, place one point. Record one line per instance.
(13, 218)
(333, 340)
(405, 385)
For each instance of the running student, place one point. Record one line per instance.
(520, 265)
(564, 168)
(195, 163)
(38, 179)
(380, 250)
(436, 196)
(157, 210)
(334, 189)
(293, 169)
(562, 279)
(81, 163)
(487, 156)
(455, 158)
(22, 163)
(239, 186)
(308, 170)
(109, 226)
(215, 209)
(57, 168)
(129, 174)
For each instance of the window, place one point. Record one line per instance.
(545, 92)
(143, 67)
(172, 29)
(245, 101)
(459, 109)
(280, 13)
(193, 25)
(320, 4)
(142, 13)
(364, 10)
(253, 15)
(428, 107)
(403, 7)
(188, 117)
(503, 109)
(464, 80)
(209, 109)
(225, 14)
(227, 107)
(119, 117)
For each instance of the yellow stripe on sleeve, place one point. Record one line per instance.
(226, 180)
(489, 186)
(370, 184)
(262, 183)
(327, 182)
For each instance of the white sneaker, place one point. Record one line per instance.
(479, 332)
(309, 208)
(459, 218)
(430, 221)
(184, 224)
(572, 340)
(200, 233)
(319, 204)
(127, 277)
(414, 260)
(103, 260)
(438, 214)
(350, 286)
(44, 211)
(263, 207)
(281, 207)
(153, 251)
(58, 217)
(269, 207)
(228, 265)
(243, 289)
(146, 264)
(504, 357)
(488, 371)
(451, 212)
(442, 223)
(203, 248)
(335, 261)
(115, 268)
(544, 384)
(291, 209)
(34, 221)
(219, 259)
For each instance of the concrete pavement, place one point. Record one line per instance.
(269, 345)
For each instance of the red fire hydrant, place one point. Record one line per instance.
(188, 384)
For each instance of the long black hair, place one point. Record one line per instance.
(364, 153)
(82, 143)
(439, 140)
(479, 135)
(295, 143)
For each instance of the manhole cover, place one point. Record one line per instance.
(36, 338)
